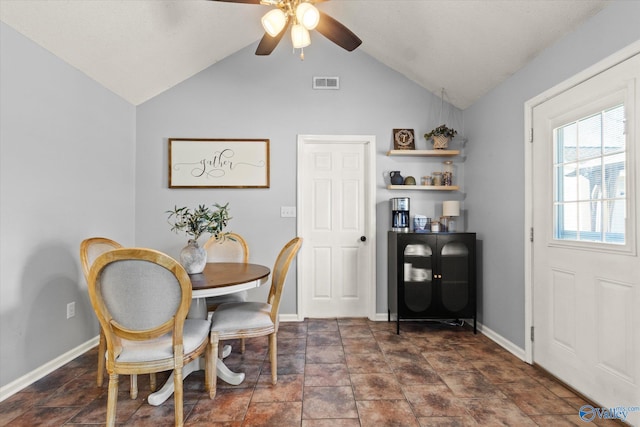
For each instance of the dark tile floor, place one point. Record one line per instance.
(331, 373)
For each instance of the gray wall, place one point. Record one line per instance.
(495, 128)
(271, 97)
(66, 173)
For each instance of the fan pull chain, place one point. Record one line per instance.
(301, 53)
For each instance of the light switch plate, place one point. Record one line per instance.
(287, 211)
(71, 309)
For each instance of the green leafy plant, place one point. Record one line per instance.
(441, 130)
(201, 220)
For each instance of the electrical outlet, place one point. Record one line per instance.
(71, 309)
(287, 211)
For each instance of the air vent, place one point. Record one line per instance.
(326, 83)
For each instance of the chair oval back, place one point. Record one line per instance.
(279, 274)
(233, 248)
(139, 293)
(92, 248)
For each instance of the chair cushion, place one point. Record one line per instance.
(234, 297)
(236, 316)
(195, 332)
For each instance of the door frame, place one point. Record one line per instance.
(369, 142)
(603, 65)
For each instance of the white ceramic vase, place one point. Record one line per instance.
(193, 258)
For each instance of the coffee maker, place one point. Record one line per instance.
(400, 214)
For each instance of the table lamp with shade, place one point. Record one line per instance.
(450, 210)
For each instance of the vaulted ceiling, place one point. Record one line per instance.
(140, 48)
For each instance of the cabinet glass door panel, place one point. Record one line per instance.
(454, 264)
(418, 296)
(418, 276)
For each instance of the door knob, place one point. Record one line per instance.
(363, 239)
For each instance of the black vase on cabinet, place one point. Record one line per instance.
(431, 276)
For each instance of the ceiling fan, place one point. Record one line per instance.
(302, 16)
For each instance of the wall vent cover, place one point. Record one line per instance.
(326, 83)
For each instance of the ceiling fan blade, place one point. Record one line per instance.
(337, 33)
(268, 43)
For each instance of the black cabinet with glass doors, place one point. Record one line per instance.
(431, 276)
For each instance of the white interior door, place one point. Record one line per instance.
(336, 218)
(586, 270)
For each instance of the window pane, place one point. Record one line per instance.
(589, 137)
(614, 177)
(613, 135)
(590, 179)
(616, 211)
(567, 143)
(567, 188)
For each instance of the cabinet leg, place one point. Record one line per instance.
(474, 325)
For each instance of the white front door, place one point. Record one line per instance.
(336, 218)
(586, 270)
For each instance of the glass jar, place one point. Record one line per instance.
(447, 173)
(444, 223)
(426, 180)
(437, 178)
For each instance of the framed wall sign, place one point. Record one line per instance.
(218, 163)
(403, 139)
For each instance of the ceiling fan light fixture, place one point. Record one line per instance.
(308, 15)
(300, 36)
(274, 21)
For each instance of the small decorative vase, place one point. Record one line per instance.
(409, 181)
(396, 178)
(193, 258)
(440, 142)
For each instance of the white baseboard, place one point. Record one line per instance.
(502, 341)
(290, 318)
(379, 317)
(24, 381)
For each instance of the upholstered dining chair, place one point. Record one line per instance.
(141, 298)
(90, 249)
(254, 319)
(232, 248)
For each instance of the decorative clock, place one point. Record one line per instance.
(403, 139)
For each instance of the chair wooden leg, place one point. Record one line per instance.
(178, 396)
(273, 357)
(153, 383)
(133, 386)
(209, 369)
(213, 361)
(102, 348)
(112, 400)
(242, 346)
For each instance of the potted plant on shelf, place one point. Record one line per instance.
(194, 223)
(441, 136)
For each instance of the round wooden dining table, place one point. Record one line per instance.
(218, 278)
(223, 278)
